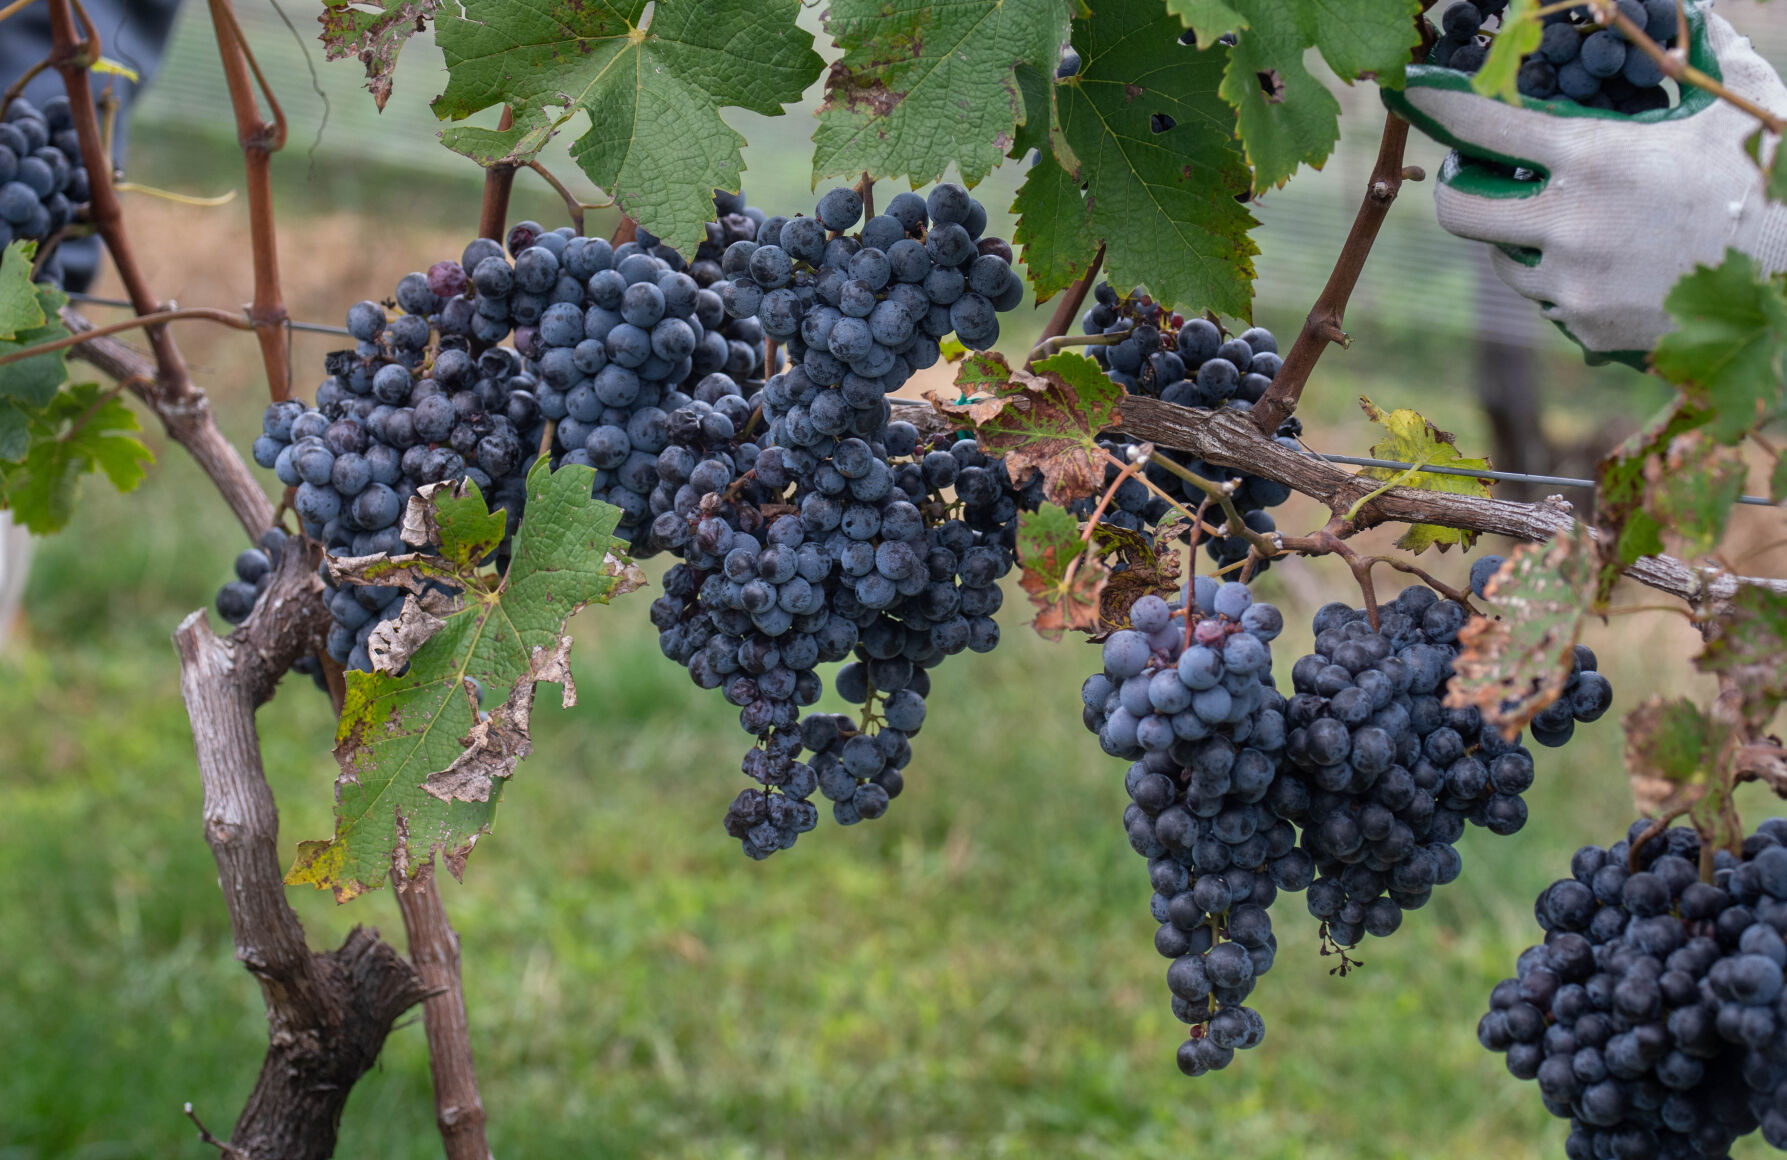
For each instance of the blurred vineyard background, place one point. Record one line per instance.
(971, 976)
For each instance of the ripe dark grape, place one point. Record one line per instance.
(1189, 362)
(1577, 60)
(43, 179)
(1653, 1015)
(1197, 714)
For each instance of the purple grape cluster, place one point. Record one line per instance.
(1653, 1016)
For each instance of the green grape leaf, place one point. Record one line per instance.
(1516, 662)
(1518, 35)
(1410, 438)
(1036, 89)
(1286, 116)
(1054, 228)
(1064, 579)
(656, 141)
(1628, 530)
(1748, 644)
(1690, 488)
(21, 306)
(15, 432)
(1210, 19)
(424, 756)
(28, 316)
(1162, 203)
(375, 38)
(1044, 420)
(1727, 350)
(1774, 172)
(922, 86)
(81, 431)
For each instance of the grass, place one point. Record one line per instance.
(972, 975)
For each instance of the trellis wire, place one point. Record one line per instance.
(1348, 460)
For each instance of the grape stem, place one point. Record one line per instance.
(865, 189)
(1323, 324)
(1224, 498)
(499, 179)
(259, 140)
(224, 1148)
(229, 318)
(1068, 308)
(1049, 346)
(13, 8)
(1674, 64)
(1104, 502)
(574, 206)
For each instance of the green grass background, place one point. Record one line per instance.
(972, 975)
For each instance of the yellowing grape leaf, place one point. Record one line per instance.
(424, 756)
(1689, 490)
(1515, 662)
(1044, 420)
(1410, 438)
(652, 92)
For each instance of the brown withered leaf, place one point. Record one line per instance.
(1064, 580)
(1748, 645)
(1677, 757)
(395, 641)
(1047, 420)
(1516, 663)
(1139, 570)
(500, 739)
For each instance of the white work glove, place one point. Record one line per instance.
(1624, 205)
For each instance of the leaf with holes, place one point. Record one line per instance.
(1748, 645)
(1727, 350)
(1047, 420)
(1285, 116)
(656, 141)
(1517, 37)
(1063, 578)
(1143, 161)
(911, 67)
(1690, 489)
(1410, 438)
(1209, 19)
(424, 756)
(83, 430)
(375, 38)
(1628, 530)
(1515, 663)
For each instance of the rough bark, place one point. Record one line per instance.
(327, 1012)
(187, 418)
(434, 949)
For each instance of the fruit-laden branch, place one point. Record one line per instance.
(73, 58)
(434, 949)
(328, 1013)
(259, 140)
(1227, 437)
(187, 418)
(1323, 324)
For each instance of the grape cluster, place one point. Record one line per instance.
(42, 179)
(791, 561)
(1189, 362)
(1190, 702)
(1577, 60)
(1653, 1016)
(1586, 694)
(1383, 775)
(815, 529)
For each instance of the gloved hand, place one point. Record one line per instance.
(1617, 208)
